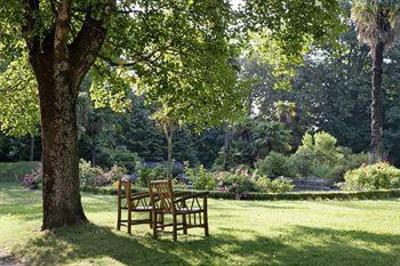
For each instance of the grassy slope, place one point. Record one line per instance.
(247, 233)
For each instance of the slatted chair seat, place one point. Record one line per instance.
(143, 208)
(192, 209)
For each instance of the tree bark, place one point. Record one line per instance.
(60, 150)
(59, 67)
(61, 194)
(376, 153)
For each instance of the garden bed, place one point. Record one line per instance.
(333, 195)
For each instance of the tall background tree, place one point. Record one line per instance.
(378, 25)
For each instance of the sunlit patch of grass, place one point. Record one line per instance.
(242, 232)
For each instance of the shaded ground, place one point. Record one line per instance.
(245, 233)
(8, 260)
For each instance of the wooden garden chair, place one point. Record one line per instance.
(132, 203)
(192, 209)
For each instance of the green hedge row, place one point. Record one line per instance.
(337, 195)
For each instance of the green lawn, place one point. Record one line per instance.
(13, 171)
(242, 233)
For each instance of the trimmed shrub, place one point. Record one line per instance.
(276, 164)
(279, 185)
(339, 195)
(372, 177)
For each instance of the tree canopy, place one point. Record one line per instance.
(150, 44)
(181, 54)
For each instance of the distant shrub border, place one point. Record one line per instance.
(337, 195)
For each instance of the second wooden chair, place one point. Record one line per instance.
(132, 203)
(191, 209)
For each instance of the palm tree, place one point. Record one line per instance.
(377, 23)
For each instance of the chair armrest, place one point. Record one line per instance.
(140, 195)
(179, 194)
(194, 195)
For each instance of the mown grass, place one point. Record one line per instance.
(247, 233)
(242, 233)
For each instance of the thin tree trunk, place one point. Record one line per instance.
(227, 141)
(169, 135)
(93, 157)
(376, 105)
(32, 148)
(94, 151)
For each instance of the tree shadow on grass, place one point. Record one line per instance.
(297, 245)
(91, 242)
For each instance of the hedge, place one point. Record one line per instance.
(335, 195)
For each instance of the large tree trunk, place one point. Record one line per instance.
(60, 65)
(376, 106)
(60, 149)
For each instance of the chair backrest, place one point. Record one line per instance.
(162, 190)
(124, 187)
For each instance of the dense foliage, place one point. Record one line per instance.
(372, 177)
(239, 181)
(275, 165)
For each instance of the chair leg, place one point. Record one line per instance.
(154, 222)
(119, 206)
(206, 224)
(129, 222)
(119, 219)
(184, 224)
(175, 227)
(151, 219)
(162, 221)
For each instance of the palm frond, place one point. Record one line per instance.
(377, 21)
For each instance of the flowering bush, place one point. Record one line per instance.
(33, 179)
(371, 177)
(116, 172)
(237, 182)
(92, 176)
